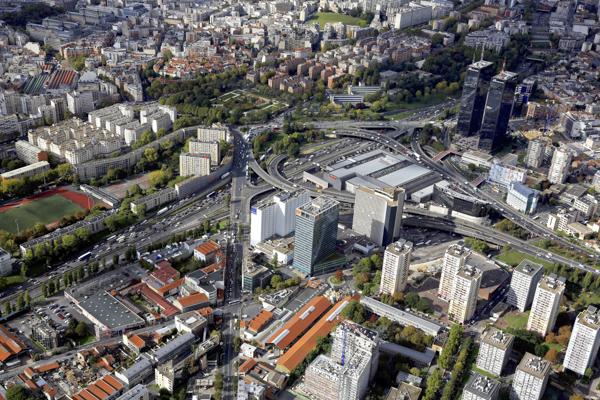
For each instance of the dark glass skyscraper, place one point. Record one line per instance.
(498, 109)
(472, 102)
(316, 234)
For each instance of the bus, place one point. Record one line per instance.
(208, 196)
(84, 256)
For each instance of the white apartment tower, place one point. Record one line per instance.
(584, 342)
(546, 304)
(194, 164)
(480, 387)
(494, 350)
(396, 260)
(524, 281)
(530, 379)
(275, 216)
(463, 301)
(454, 259)
(350, 338)
(378, 214)
(559, 168)
(536, 150)
(211, 148)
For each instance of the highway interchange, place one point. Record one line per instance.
(355, 136)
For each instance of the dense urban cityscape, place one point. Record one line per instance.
(329, 200)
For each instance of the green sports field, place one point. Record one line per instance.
(325, 17)
(45, 210)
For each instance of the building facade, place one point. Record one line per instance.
(559, 168)
(522, 198)
(523, 284)
(275, 216)
(463, 301)
(454, 259)
(546, 304)
(530, 379)
(394, 273)
(584, 342)
(494, 350)
(316, 234)
(472, 102)
(498, 109)
(536, 149)
(194, 164)
(378, 214)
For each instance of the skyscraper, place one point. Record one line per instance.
(524, 281)
(275, 216)
(530, 378)
(454, 259)
(559, 168)
(316, 234)
(463, 301)
(394, 273)
(494, 350)
(546, 304)
(378, 213)
(584, 342)
(498, 109)
(472, 102)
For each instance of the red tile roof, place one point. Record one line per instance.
(259, 322)
(137, 341)
(10, 345)
(298, 352)
(247, 365)
(47, 367)
(300, 322)
(192, 300)
(167, 288)
(114, 382)
(165, 273)
(207, 247)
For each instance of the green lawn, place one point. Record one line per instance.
(516, 320)
(513, 258)
(45, 210)
(324, 17)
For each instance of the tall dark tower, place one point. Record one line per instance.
(498, 108)
(472, 102)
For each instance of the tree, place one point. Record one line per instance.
(81, 329)
(339, 275)
(7, 308)
(18, 392)
(20, 303)
(115, 260)
(541, 349)
(44, 290)
(552, 355)
(275, 280)
(27, 298)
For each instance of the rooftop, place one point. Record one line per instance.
(534, 365)
(498, 338)
(528, 267)
(109, 311)
(590, 318)
(482, 386)
(553, 284)
(318, 206)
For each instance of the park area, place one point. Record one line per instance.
(248, 102)
(45, 208)
(323, 18)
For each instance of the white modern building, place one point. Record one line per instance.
(559, 168)
(194, 164)
(503, 175)
(5, 262)
(215, 133)
(455, 258)
(26, 171)
(524, 281)
(522, 198)
(530, 379)
(584, 342)
(378, 214)
(494, 350)
(546, 304)
(396, 261)
(412, 14)
(463, 301)
(211, 148)
(275, 216)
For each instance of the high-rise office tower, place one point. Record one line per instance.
(275, 216)
(584, 341)
(480, 387)
(316, 234)
(536, 150)
(530, 378)
(524, 281)
(378, 213)
(463, 301)
(494, 350)
(559, 168)
(454, 259)
(394, 273)
(498, 109)
(546, 304)
(472, 102)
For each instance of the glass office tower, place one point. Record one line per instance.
(472, 102)
(498, 109)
